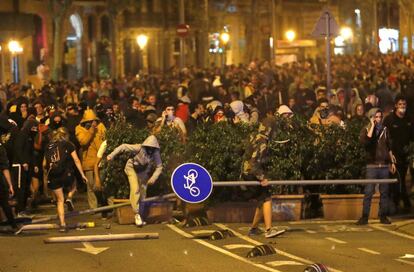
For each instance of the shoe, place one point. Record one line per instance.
(270, 233)
(63, 229)
(138, 220)
(385, 220)
(70, 205)
(23, 214)
(254, 231)
(362, 221)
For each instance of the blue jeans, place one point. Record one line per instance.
(376, 173)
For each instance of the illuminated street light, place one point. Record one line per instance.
(346, 33)
(15, 47)
(290, 35)
(357, 12)
(142, 41)
(225, 37)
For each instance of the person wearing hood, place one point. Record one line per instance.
(380, 161)
(238, 109)
(90, 134)
(138, 170)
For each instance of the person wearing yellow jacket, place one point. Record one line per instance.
(90, 134)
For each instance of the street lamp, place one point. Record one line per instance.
(225, 38)
(142, 41)
(15, 48)
(290, 35)
(346, 33)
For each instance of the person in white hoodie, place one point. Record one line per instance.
(138, 170)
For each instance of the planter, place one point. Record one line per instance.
(151, 212)
(232, 212)
(347, 207)
(284, 208)
(287, 207)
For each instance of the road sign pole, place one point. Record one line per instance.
(182, 22)
(328, 53)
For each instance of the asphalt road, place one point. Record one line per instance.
(342, 246)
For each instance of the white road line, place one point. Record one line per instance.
(228, 253)
(202, 232)
(235, 246)
(404, 261)
(281, 263)
(307, 222)
(369, 251)
(311, 231)
(335, 240)
(278, 251)
(393, 232)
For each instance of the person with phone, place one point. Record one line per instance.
(380, 162)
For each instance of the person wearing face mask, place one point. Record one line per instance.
(90, 134)
(401, 133)
(168, 118)
(380, 161)
(138, 170)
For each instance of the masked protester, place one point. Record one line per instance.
(401, 133)
(138, 170)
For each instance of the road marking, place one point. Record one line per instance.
(369, 251)
(202, 232)
(235, 246)
(311, 231)
(335, 240)
(89, 248)
(281, 263)
(305, 222)
(278, 251)
(407, 256)
(393, 232)
(404, 261)
(228, 253)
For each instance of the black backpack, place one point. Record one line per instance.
(56, 156)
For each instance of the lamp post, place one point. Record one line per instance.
(1, 64)
(142, 41)
(224, 37)
(15, 49)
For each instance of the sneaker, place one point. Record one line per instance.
(63, 229)
(362, 221)
(70, 205)
(270, 233)
(138, 220)
(385, 220)
(254, 231)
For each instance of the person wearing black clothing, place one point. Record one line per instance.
(196, 118)
(6, 188)
(60, 155)
(401, 133)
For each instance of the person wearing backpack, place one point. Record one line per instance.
(60, 154)
(138, 169)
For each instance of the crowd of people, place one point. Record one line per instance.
(67, 121)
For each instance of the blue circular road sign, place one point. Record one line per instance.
(192, 183)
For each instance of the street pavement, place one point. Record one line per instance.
(341, 245)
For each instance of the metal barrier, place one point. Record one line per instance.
(304, 182)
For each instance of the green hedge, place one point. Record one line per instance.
(315, 152)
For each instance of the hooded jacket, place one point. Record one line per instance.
(89, 140)
(141, 160)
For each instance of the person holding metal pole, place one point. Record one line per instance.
(252, 169)
(380, 161)
(138, 169)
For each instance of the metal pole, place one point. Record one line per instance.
(305, 182)
(108, 237)
(182, 21)
(328, 54)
